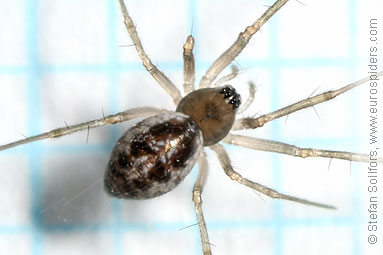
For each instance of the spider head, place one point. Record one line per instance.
(213, 109)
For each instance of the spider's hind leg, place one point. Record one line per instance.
(225, 162)
(139, 112)
(197, 200)
(292, 150)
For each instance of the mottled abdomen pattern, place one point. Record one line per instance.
(154, 156)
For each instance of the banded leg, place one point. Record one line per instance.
(284, 148)
(197, 199)
(245, 123)
(159, 76)
(189, 65)
(225, 162)
(111, 119)
(233, 51)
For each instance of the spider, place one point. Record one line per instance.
(205, 243)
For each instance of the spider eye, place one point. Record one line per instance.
(235, 101)
(228, 91)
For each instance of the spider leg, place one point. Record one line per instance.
(245, 123)
(250, 99)
(224, 160)
(189, 65)
(233, 51)
(230, 76)
(197, 200)
(110, 119)
(273, 146)
(159, 76)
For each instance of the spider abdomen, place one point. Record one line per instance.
(153, 157)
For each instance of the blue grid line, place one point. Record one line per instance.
(161, 226)
(176, 65)
(113, 100)
(276, 166)
(34, 117)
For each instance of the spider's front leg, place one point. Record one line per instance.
(252, 123)
(236, 48)
(189, 65)
(291, 150)
(159, 76)
(273, 146)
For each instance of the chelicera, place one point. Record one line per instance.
(155, 155)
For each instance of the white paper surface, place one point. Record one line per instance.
(66, 61)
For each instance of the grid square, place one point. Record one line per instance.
(317, 240)
(72, 193)
(329, 120)
(78, 243)
(306, 39)
(69, 98)
(79, 39)
(13, 87)
(321, 181)
(227, 201)
(15, 197)
(161, 241)
(12, 34)
(149, 24)
(241, 240)
(221, 29)
(19, 244)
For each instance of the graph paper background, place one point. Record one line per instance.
(68, 61)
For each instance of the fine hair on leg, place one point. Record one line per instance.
(159, 76)
(107, 120)
(225, 162)
(246, 123)
(292, 150)
(189, 65)
(197, 200)
(233, 51)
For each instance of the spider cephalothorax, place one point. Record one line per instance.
(213, 109)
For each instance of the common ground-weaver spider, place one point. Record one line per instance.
(232, 82)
